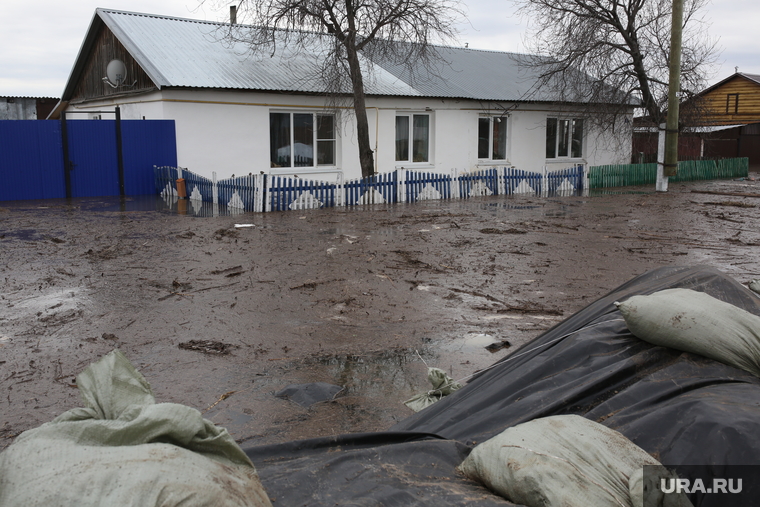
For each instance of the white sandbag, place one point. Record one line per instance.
(124, 449)
(561, 461)
(443, 385)
(696, 322)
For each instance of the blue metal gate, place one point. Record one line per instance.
(32, 157)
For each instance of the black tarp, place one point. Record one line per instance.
(682, 408)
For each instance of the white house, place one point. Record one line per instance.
(237, 114)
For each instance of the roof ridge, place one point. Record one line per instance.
(223, 23)
(161, 16)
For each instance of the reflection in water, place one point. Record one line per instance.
(374, 373)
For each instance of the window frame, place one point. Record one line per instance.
(316, 141)
(492, 120)
(410, 140)
(564, 130)
(735, 97)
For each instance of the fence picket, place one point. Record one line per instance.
(646, 174)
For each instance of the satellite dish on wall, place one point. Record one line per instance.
(116, 73)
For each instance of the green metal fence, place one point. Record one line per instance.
(605, 176)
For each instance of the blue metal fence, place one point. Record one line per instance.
(31, 160)
(145, 143)
(32, 164)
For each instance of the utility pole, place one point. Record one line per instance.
(670, 167)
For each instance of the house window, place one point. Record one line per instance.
(413, 138)
(492, 138)
(732, 103)
(564, 138)
(294, 136)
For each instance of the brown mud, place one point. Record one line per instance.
(220, 318)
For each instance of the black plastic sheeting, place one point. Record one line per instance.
(682, 408)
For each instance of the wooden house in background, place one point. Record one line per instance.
(723, 121)
(733, 101)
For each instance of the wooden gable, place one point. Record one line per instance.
(733, 102)
(106, 48)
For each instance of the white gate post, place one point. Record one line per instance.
(545, 182)
(214, 189)
(340, 190)
(586, 182)
(662, 180)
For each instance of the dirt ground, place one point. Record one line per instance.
(221, 318)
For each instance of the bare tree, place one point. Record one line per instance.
(345, 35)
(615, 52)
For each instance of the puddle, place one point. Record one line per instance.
(371, 374)
(130, 204)
(22, 234)
(470, 343)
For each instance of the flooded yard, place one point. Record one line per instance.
(221, 318)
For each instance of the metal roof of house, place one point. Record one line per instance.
(185, 53)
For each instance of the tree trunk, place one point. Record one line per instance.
(366, 155)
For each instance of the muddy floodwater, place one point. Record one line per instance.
(221, 318)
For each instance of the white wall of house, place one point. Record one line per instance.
(227, 132)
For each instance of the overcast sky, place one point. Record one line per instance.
(40, 40)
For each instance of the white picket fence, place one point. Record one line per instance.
(265, 192)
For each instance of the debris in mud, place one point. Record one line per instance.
(59, 319)
(461, 243)
(735, 241)
(410, 259)
(221, 399)
(497, 346)
(731, 194)
(493, 230)
(313, 285)
(106, 254)
(186, 235)
(226, 233)
(736, 204)
(181, 285)
(229, 272)
(207, 346)
(722, 216)
(523, 307)
(109, 336)
(477, 294)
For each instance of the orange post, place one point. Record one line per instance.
(181, 190)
